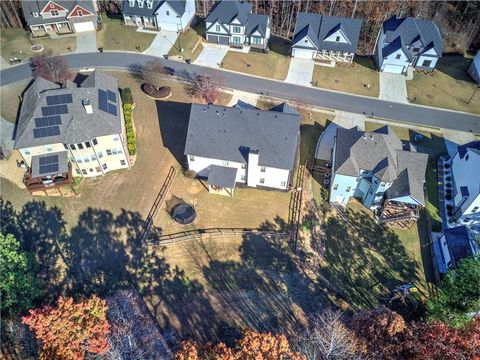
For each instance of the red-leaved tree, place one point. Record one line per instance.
(202, 86)
(70, 329)
(51, 67)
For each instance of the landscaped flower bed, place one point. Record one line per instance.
(128, 115)
(162, 93)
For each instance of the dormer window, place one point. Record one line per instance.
(54, 12)
(337, 39)
(35, 15)
(52, 6)
(140, 3)
(149, 4)
(416, 50)
(131, 3)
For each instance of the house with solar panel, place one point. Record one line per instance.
(71, 130)
(242, 146)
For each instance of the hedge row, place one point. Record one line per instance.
(126, 95)
(128, 114)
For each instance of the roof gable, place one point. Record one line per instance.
(52, 6)
(77, 10)
(227, 10)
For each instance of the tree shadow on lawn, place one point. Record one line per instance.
(173, 119)
(364, 260)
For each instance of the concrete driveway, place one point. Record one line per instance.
(212, 55)
(300, 72)
(162, 43)
(86, 42)
(393, 87)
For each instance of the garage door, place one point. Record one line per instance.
(170, 26)
(395, 69)
(84, 26)
(215, 39)
(303, 54)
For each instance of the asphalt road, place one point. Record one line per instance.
(406, 113)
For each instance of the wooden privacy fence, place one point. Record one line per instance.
(199, 234)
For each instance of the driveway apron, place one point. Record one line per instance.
(300, 72)
(162, 43)
(86, 42)
(212, 55)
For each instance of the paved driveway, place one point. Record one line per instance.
(162, 43)
(86, 42)
(212, 55)
(300, 72)
(393, 87)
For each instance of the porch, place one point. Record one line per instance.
(146, 22)
(53, 28)
(48, 171)
(334, 56)
(398, 214)
(221, 180)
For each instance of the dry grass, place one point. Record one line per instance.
(351, 78)
(10, 99)
(190, 42)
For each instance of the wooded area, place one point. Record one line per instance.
(459, 21)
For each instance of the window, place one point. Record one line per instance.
(92, 157)
(140, 3)
(262, 180)
(225, 163)
(236, 39)
(79, 161)
(262, 169)
(337, 39)
(78, 171)
(168, 13)
(236, 29)
(335, 187)
(191, 158)
(243, 166)
(86, 159)
(257, 41)
(72, 147)
(416, 49)
(348, 189)
(26, 152)
(122, 162)
(91, 170)
(115, 138)
(65, 146)
(466, 220)
(94, 141)
(305, 41)
(54, 12)
(427, 63)
(79, 13)
(35, 14)
(84, 172)
(132, 3)
(283, 183)
(243, 178)
(100, 154)
(104, 166)
(149, 4)
(80, 146)
(217, 28)
(109, 152)
(467, 157)
(475, 209)
(87, 144)
(398, 56)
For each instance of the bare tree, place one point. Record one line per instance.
(327, 338)
(202, 86)
(51, 67)
(153, 73)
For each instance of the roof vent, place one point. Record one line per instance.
(88, 106)
(371, 136)
(218, 113)
(364, 136)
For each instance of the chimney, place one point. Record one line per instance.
(88, 106)
(253, 170)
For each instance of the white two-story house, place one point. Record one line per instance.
(465, 165)
(71, 131)
(59, 16)
(171, 15)
(408, 42)
(231, 22)
(379, 171)
(330, 38)
(234, 145)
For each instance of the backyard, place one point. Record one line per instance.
(116, 36)
(449, 86)
(16, 43)
(273, 65)
(360, 77)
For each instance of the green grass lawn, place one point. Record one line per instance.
(16, 43)
(190, 42)
(273, 65)
(449, 86)
(353, 78)
(116, 36)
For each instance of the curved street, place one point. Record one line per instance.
(406, 113)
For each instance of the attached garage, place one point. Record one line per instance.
(303, 53)
(395, 69)
(84, 26)
(170, 26)
(218, 39)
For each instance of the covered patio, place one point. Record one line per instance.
(48, 171)
(221, 180)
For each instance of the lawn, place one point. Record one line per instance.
(190, 42)
(16, 43)
(10, 100)
(273, 65)
(116, 36)
(449, 86)
(352, 78)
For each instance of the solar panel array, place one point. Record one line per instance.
(55, 110)
(48, 121)
(47, 126)
(107, 101)
(48, 164)
(59, 99)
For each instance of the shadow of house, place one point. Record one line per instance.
(173, 118)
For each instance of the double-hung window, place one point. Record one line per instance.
(236, 29)
(236, 39)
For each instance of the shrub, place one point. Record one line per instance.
(448, 191)
(448, 178)
(161, 93)
(128, 115)
(448, 197)
(446, 166)
(448, 185)
(449, 207)
(126, 95)
(190, 174)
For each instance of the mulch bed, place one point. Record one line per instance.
(163, 93)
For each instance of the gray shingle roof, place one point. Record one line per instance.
(76, 125)
(224, 133)
(257, 22)
(62, 157)
(410, 29)
(222, 176)
(461, 243)
(177, 5)
(382, 153)
(36, 6)
(319, 27)
(227, 10)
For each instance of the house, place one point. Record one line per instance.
(474, 69)
(237, 145)
(60, 16)
(71, 129)
(406, 42)
(171, 15)
(231, 22)
(465, 168)
(321, 37)
(379, 171)
(454, 245)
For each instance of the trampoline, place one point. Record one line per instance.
(184, 213)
